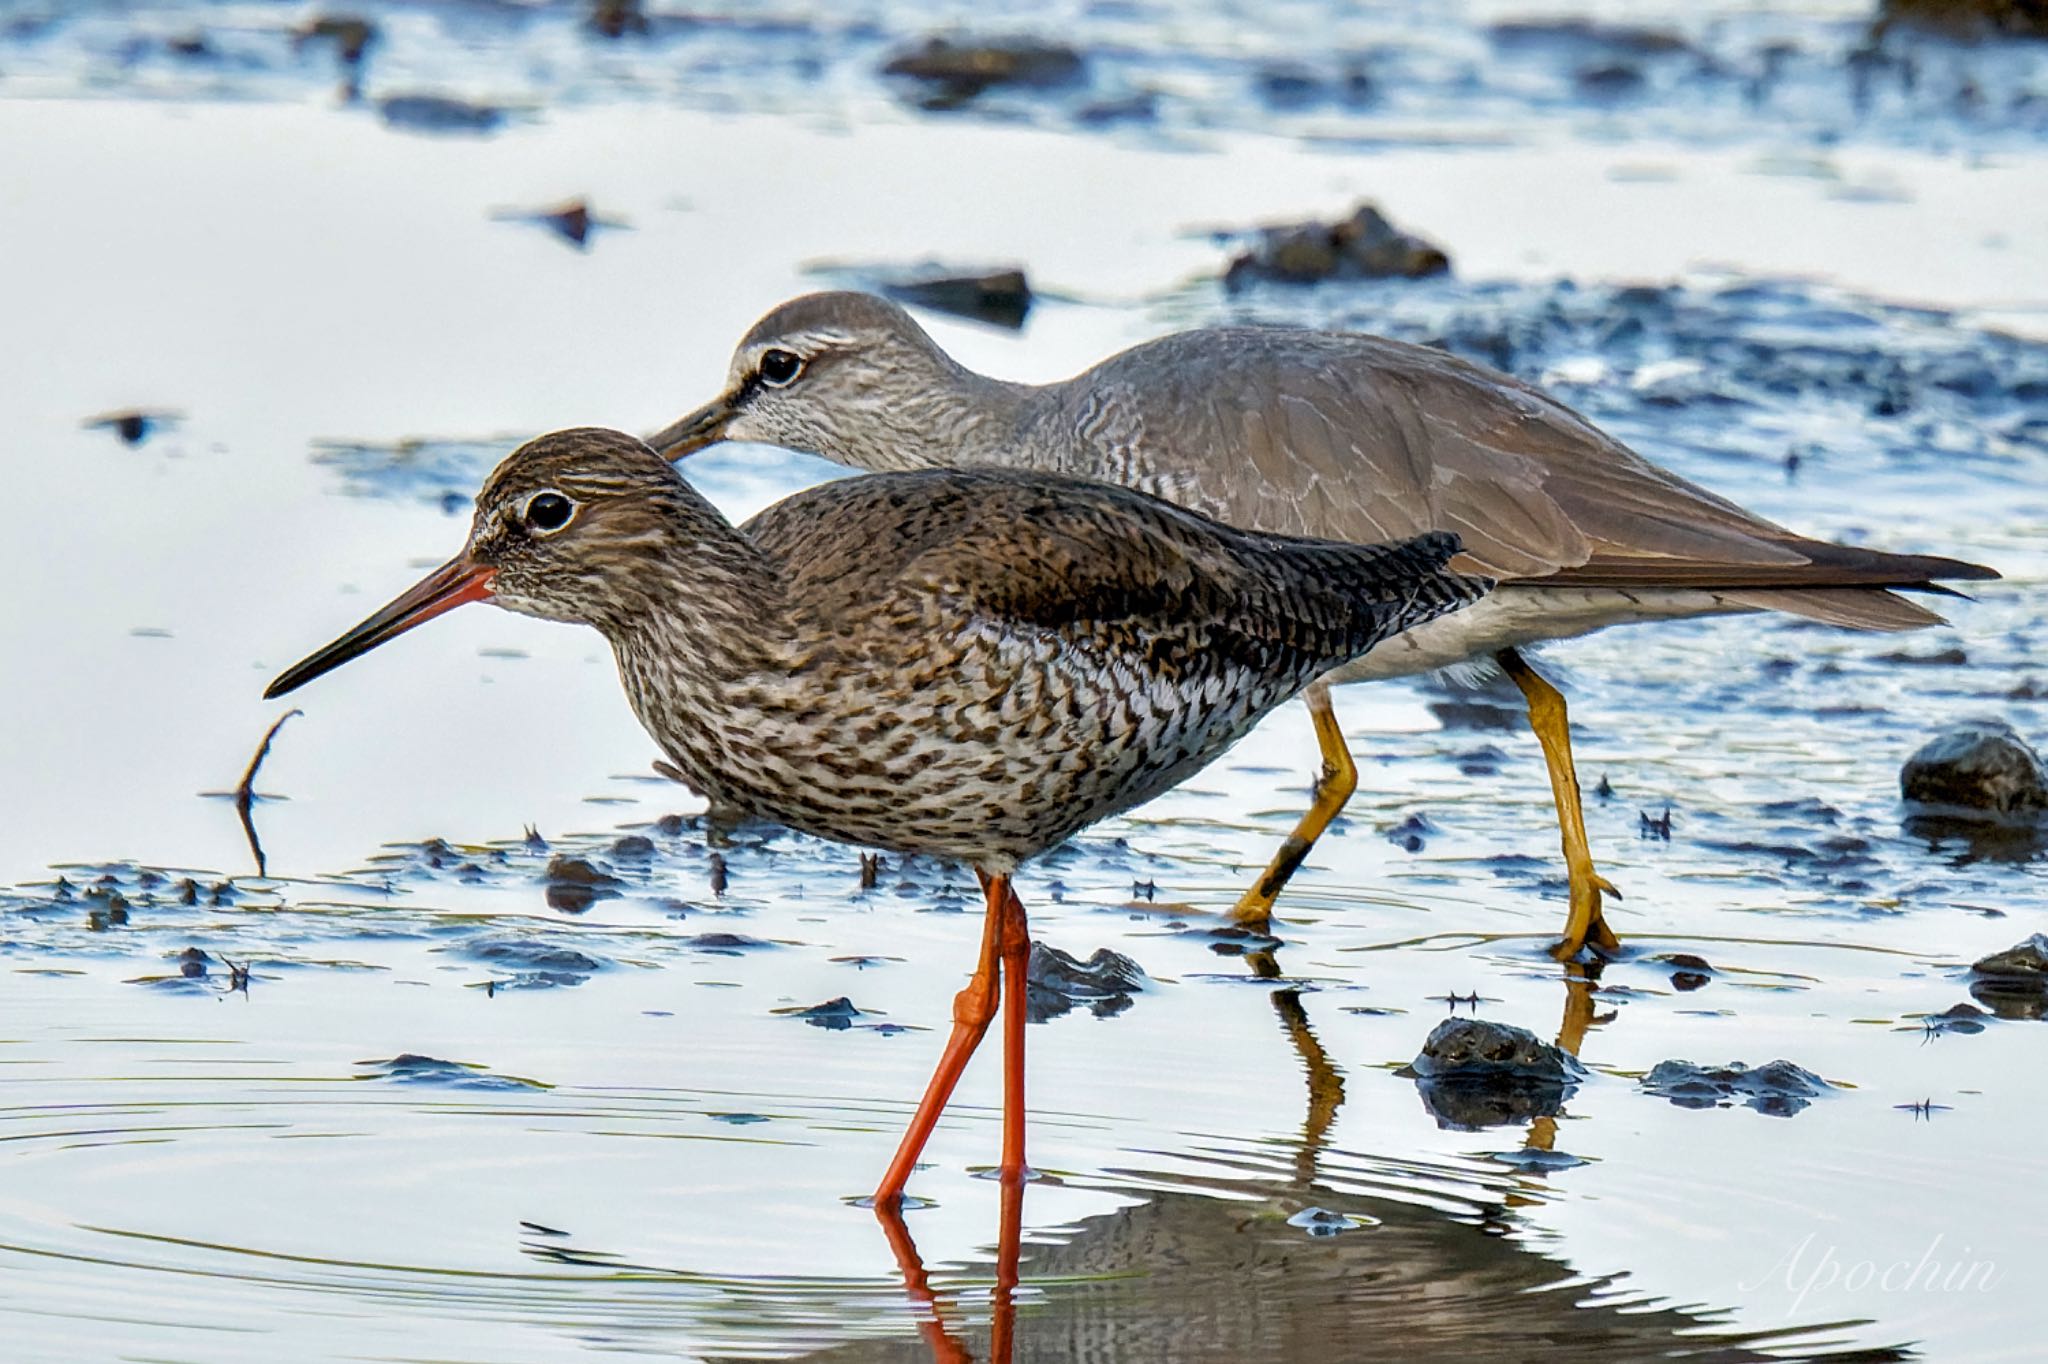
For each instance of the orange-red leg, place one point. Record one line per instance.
(1002, 1326)
(1016, 951)
(937, 1330)
(973, 1008)
(946, 1349)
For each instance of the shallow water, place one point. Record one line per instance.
(459, 1112)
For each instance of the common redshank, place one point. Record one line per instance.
(969, 664)
(1344, 437)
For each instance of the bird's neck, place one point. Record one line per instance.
(696, 597)
(969, 418)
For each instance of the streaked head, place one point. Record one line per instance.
(581, 526)
(848, 376)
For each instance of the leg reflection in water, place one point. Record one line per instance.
(938, 1329)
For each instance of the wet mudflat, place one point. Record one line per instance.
(438, 1089)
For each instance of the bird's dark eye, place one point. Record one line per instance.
(780, 367)
(549, 511)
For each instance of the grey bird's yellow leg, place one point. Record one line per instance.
(1585, 923)
(1254, 909)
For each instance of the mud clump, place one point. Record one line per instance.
(1778, 1089)
(1473, 1073)
(1365, 245)
(1980, 766)
(1056, 983)
(950, 74)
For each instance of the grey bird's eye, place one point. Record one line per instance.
(548, 511)
(779, 368)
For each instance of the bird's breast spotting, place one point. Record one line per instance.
(1002, 742)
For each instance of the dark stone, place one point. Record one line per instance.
(1969, 20)
(1473, 1073)
(411, 1068)
(2026, 960)
(834, 1015)
(1140, 106)
(617, 18)
(1478, 1049)
(1000, 297)
(1778, 1088)
(633, 845)
(1587, 34)
(1412, 834)
(1980, 765)
(1942, 658)
(724, 944)
(953, 73)
(1609, 80)
(1056, 983)
(2014, 997)
(575, 871)
(439, 114)
(1290, 85)
(571, 221)
(529, 955)
(192, 962)
(1966, 1019)
(1363, 246)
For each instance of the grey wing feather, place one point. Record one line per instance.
(1365, 439)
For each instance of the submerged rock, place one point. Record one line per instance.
(1365, 245)
(1979, 765)
(1777, 1088)
(1056, 983)
(1474, 1073)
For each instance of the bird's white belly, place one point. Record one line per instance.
(1515, 615)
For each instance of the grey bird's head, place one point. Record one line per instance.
(848, 376)
(587, 526)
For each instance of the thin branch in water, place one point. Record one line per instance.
(245, 791)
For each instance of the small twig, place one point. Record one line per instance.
(245, 791)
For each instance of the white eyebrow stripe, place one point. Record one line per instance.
(808, 342)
